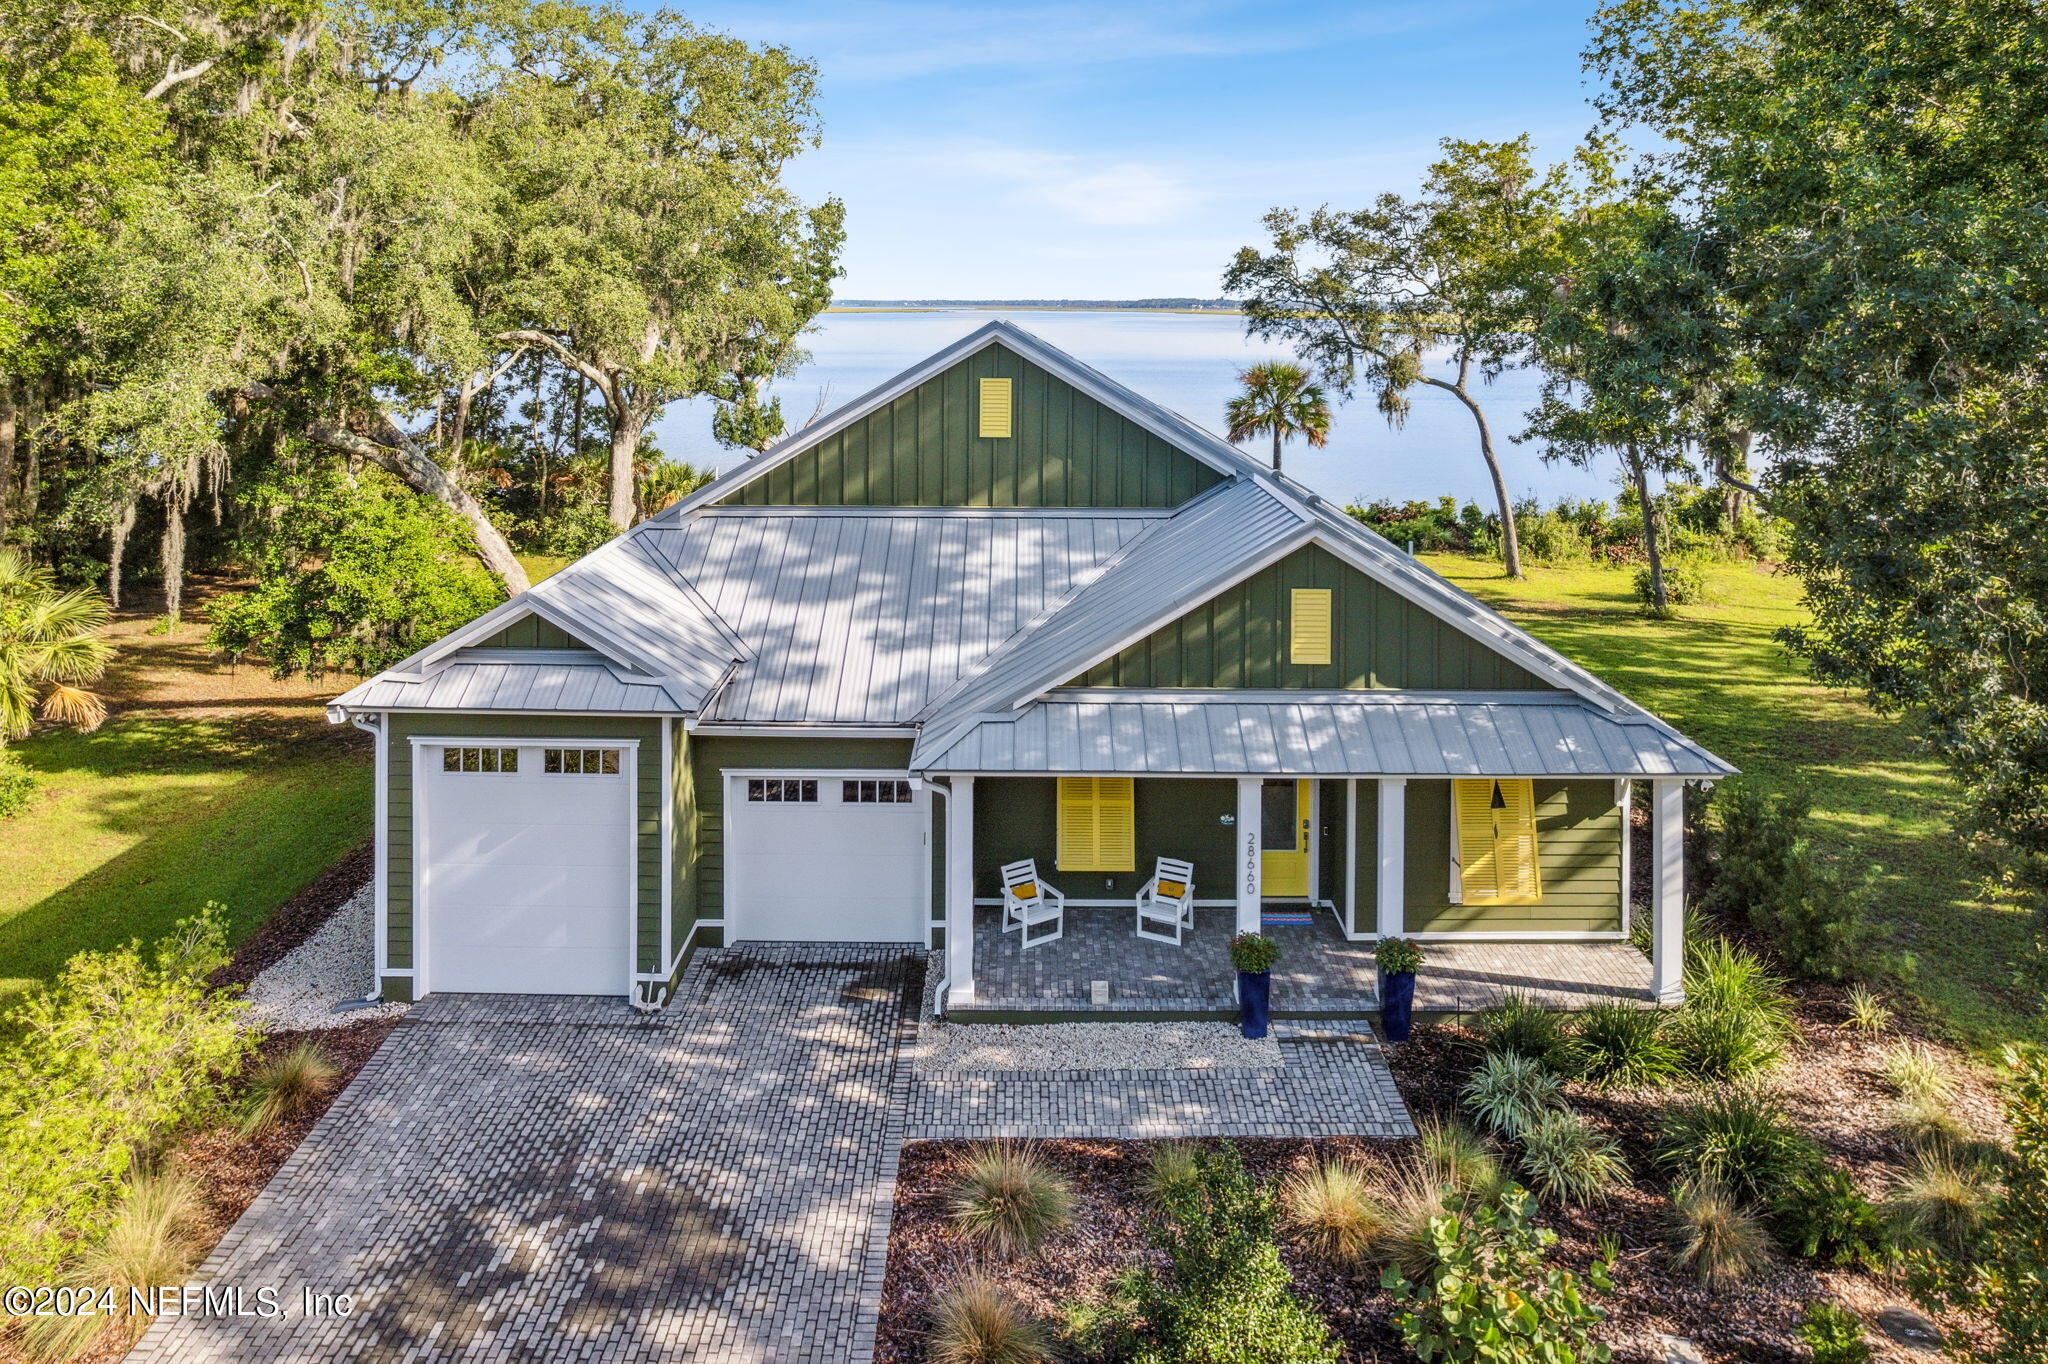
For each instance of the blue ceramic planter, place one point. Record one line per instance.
(1254, 996)
(1397, 1004)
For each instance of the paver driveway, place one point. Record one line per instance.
(517, 1179)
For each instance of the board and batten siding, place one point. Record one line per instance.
(1066, 450)
(1578, 841)
(1380, 640)
(531, 632)
(712, 755)
(524, 728)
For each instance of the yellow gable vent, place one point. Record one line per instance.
(1308, 634)
(995, 409)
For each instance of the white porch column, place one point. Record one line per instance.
(960, 892)
(1250, 817)
(1667, 904)
(1391, 890)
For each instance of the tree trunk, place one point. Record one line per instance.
(1641, 475)
(1735, 465)
(117, 549)
(174, 552)
(1510, 542)
(398, 454)
(626, 428)
(1276, 448)
(9, 425)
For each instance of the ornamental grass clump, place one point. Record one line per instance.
(1009, 1201)
(1452, 1157)
(1336, 1210)
(1919, 1075)
(1620, 1045)
(1938, 1205)
(1736, 1021)
(151, 1240)
(1518, 1026)
(1567, 1160)
(1739, 1137)
(976, 1320)
(1168, 1165)
(1510, 1091)
(1711, 1233)
(1867, 1010)
(287, 1086)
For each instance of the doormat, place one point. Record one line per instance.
(1271, 917)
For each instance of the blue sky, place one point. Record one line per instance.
(1124, 150)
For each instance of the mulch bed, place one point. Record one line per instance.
(300, 917)
(1830, 1084)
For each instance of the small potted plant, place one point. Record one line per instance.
(1253, 954)
(1397, 958)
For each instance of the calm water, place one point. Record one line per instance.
(1189, 362)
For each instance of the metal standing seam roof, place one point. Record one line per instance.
(1449, 734)
(863, 618)
(592, 686)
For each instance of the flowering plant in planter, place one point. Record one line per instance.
(1398, 956)
(1253, 952)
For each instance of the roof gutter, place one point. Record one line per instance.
(690, 722)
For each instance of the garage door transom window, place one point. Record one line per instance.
(479, 760)
(591, 762)
(875, 792)
(782, 790)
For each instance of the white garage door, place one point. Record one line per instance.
(826, 857)
(528, 868)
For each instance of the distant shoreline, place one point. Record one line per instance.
(1220, 307)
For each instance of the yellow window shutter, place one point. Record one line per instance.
(995, 409)
(1309, 625)
(1497, 848)
(1097, 824)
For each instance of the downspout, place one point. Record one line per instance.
(380, 855)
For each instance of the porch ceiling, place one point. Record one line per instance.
(1329, 734)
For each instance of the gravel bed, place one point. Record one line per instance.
(1089, 1046)
(337, 963)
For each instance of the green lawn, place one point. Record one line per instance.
(205, 785)
(1880, 797)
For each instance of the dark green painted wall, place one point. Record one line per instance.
(712, 754)
(399, 795)
(1067, 450)
(1578, 839)
(532, 632)
(1015, 817)
(1239, 639)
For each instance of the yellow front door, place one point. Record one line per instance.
(1283, 840)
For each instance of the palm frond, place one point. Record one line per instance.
(74, 706)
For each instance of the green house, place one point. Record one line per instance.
(1003, 608)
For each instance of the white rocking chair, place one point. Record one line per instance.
(1167, 899)
(1029, 904)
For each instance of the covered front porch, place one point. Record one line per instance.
(1101, 966)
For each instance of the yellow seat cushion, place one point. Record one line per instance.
(1172, 890)
(1025, 890)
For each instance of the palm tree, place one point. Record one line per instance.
(1281, 398)
(48, 646)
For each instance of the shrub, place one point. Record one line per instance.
(1685, 582)
(1009, 1200)
(1767, 872)
(150, 1241)
(1738, 1138)
(286, 1086)
(1937, 1206)
(1735, 1021)
(17, 784)
(1619, 1044)
(2002, 1282)
(1711, 1233)
(1509, 1091)
(1820, 1215)
(1548, 538)
(117, 1054)
(1569, 1161)
(1228, 1300)
(1490, 1287)
(1518, 1026)
(1168, 1164)
(1834, 1334)
(1867, 1010)
(1335, 1209)
(976, 1320)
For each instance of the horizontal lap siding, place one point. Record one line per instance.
(403, 728)
(713, 755)
(922, 450)
(1380, 640)
(1578, 833)
(1014, 818)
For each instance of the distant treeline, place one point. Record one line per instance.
(1220, 305)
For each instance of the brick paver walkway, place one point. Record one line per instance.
(521, 1179)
